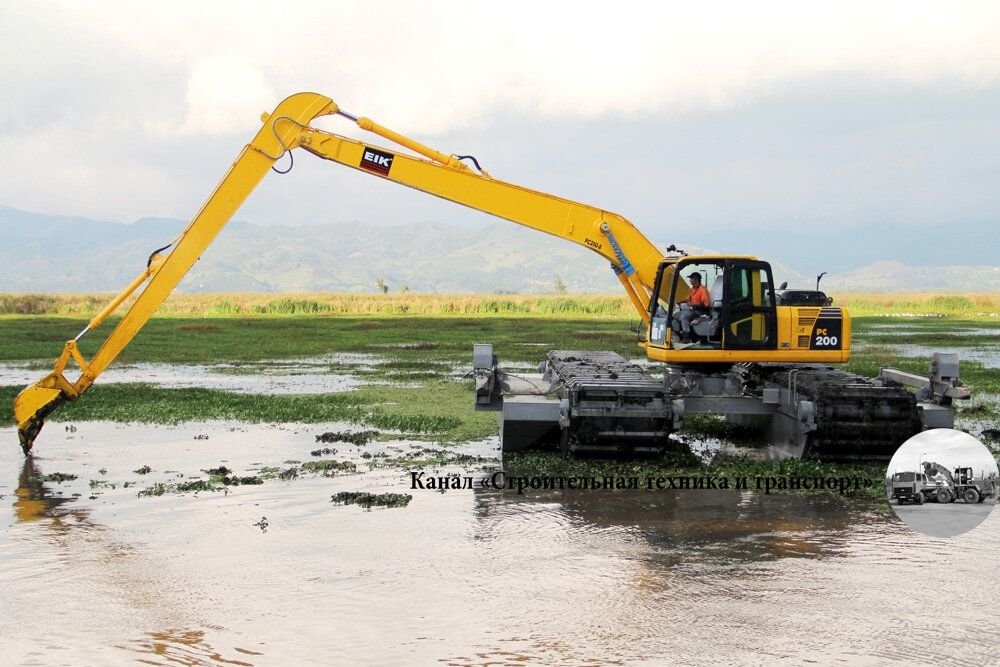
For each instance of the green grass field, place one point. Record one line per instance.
(418, 389)
(419, 344)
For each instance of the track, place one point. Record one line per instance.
(613, 403)
(856, 418)
(599, 401)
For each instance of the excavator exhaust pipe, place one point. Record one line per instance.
(31, 407)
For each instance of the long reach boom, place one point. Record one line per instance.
(633, 257)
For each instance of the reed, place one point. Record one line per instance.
(984, 304)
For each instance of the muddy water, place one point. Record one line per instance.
(987, 355)
(983, 346)
(277, 575)
(301, 376)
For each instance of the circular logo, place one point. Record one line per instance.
(942, 482)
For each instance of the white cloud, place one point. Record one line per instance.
(223, 95)
(430, 67)
(97, 95)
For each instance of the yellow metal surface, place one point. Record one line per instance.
(279, 134)
(560, 217)
(638, 302)
(693, 356)
(98, 319)
(32, 399)
(785, 341)
(371, 126)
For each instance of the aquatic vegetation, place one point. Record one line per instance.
(236, 480)
(195, 485)
(223, 475)
(326, 451)
(57, 477)
(329, 466)
(716, 426)
(436, 458)
(144, 470)
(436, 408)
(356, 438)
(395, 408)
(190, 486)
(369, 500)
(157, 489)
(683, 463)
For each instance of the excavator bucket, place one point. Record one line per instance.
(31, 407)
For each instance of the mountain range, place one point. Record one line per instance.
(44, 253)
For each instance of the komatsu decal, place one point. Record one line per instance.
(376, 161)
(828, 332)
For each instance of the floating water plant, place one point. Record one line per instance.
(369, 500)
(358, 438)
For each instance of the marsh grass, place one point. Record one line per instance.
(406, 410)
(214, 305)
(981, 304)
(615, 305)
(435, 405)
(249, 339)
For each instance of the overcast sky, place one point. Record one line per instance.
(781, 115)
(947, 447)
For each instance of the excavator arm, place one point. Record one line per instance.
(632, 256)
(931, 468)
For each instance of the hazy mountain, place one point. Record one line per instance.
(42, 253)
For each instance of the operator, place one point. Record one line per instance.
(699, 303)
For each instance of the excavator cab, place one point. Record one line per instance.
(741, 314)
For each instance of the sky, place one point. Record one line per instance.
(948, 447)
(770, 116)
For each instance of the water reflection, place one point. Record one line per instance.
(182, 647)
(704, 527)
(484, 577)
(645, 575)
(36, 501)
(60, 563)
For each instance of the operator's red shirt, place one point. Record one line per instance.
(699, 296)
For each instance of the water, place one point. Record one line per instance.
(985, 352)
(988, 356)
(463, 577)
(901, 330)
(299, 376)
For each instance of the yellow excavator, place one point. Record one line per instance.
(738, 357)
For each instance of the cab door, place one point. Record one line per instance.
(749, 318)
